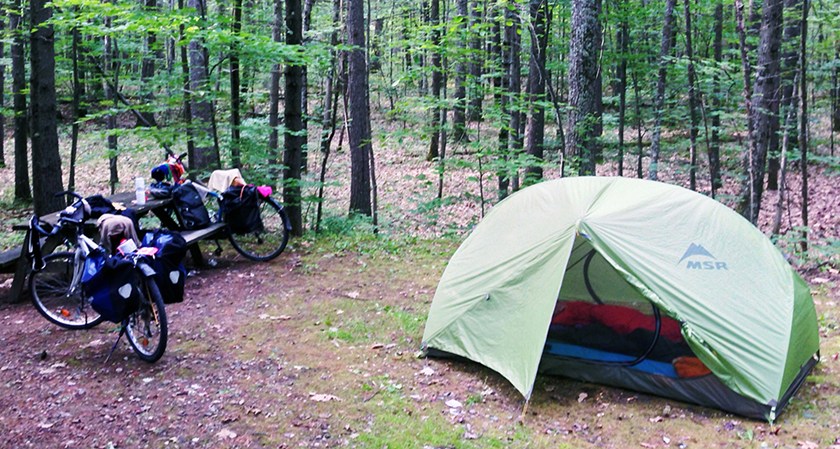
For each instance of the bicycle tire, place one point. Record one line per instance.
(146, 328)
(270, 240)
(52, 298)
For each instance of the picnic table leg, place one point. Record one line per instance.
(21, 271)
(164, 214)
(197, 256)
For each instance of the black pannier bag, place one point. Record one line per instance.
(170, 273)
(190, 207)
(111, 285)
(241, 209)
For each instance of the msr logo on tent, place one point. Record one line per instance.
(695, 252)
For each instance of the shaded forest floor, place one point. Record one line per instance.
(318, 347)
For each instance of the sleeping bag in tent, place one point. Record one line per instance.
(630, 283)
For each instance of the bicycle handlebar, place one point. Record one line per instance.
(69, 192)
(169, 153)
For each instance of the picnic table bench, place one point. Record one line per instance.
(15, 260)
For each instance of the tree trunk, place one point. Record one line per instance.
(714, 146)
(236, 85)
(623, 43)
(790, 59)
(46, 161)
(584, 49)
(437, 77)
(295, 136)
(111, 93)
(459, 110)
(659, 99)
(692, 98)
(2, 94)
(147, 71)
(747, 73)
(475, 92)
(514, 39)
(535, 127)
(185, 82)
(787, 127)
(274, 92)
(835, 96)
(359, 134)
(329, 110)
(204, 156)
(21, 112)
(803, 121)
(422, 82)
(499, 51)
(76, 105)
(638, 109)
(766, 108)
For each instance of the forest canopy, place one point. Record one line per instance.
(731, 99)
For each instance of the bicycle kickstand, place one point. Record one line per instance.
(122, 332)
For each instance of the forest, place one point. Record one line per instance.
(732, 99)
(389, 129)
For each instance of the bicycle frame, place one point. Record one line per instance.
(84, 246)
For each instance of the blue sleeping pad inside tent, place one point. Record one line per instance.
(559, 349)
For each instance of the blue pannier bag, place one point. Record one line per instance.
(93, 263)
(112, 290)
(170, 273)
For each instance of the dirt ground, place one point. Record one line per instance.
(318, 349)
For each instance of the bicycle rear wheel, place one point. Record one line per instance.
(57, 299)
(270, 240)
(147, 329)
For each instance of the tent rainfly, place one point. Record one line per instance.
(630, 283)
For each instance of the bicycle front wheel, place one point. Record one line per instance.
(270, 239)
(58, 298)
(147, 328)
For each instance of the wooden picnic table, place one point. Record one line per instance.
(160, 208)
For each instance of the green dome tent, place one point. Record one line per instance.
(615, 281)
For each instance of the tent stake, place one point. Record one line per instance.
(524, 411)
